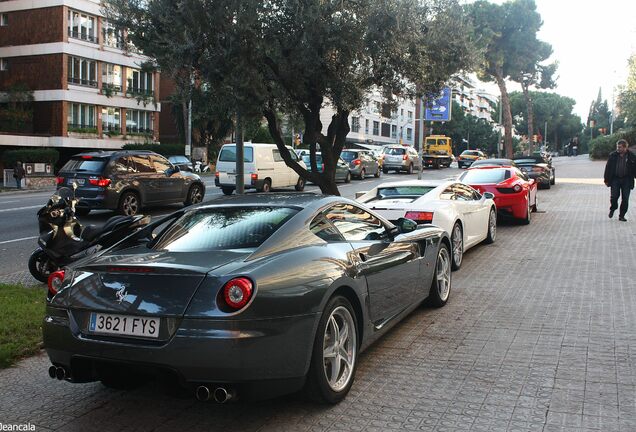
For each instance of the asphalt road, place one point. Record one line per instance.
(18, 220)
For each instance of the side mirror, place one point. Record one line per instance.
(359, 194)
(489, 195)
(406, 225)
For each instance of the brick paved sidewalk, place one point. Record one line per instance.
(539, 335)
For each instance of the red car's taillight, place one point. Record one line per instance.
(55, 281)
(99, 181)
(59, 180)
(421, 217)
(237, 292)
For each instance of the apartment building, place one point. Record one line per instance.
(473, 100)
(91, 89)
(375, 124)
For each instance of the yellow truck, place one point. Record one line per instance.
(437, 151)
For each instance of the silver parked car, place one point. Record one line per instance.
(361, 163)
(254, 292)
(400, 158)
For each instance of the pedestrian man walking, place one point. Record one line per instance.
(18, 174)
(620, 171)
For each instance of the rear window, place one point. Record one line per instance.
(228, 154)
(307, 160)
(403, 191)
(470, 153)
(349, 155)
(528, 161)
(79, 164)
(178, 159)
(223, 228)
(484, 176)
(394, 151)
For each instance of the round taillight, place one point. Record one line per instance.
(516, 188)
(55, 281)
(237, 292)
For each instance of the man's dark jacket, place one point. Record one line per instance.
(610, 168)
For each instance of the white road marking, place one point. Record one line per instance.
(20, 208)
(8, 202)
(17, 240)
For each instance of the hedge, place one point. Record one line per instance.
(162, 149)
(10, 157)
(602, 146)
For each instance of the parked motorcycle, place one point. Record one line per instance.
(200, 167)
(64, 240)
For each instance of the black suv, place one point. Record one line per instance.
(127, 180)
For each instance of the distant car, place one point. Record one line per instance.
(264, 168)
(182, 162)
(260, 294)
(301, 152)
(342, 168)
(515, 193)
(128, 180)
(399, 158)
(493, 162)
(467, 216)
(467, 158)
(361, 163)
(538, 167)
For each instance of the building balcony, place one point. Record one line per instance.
(82, 82)
(140, 93)
(82, 130)
(109, 90)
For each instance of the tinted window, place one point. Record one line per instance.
(355, 224)
(471, 153)
(228, 154)
(463, 193)
(179, 159)
(323, 229)
(141, 164)
(403, 191)
(349, 155)
(448, 194)
(79, 164)
(161, 164)
(484, 176)
(122, 166)
(307, 160)
(529, 161)
(223, 228)
(394, 151)
(276, 155)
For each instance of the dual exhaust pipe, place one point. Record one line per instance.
(58, 372)
(220, 395)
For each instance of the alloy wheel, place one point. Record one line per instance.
(195, 195)
(443, 274)
(458, 245)
(492, 225)
(339, 348)
(130, 205)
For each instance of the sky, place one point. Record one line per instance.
(592, 41)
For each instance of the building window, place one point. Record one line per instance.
(366, 126)
(393, 131)
(409, 134)
(355, 124)
(112, 78)
(378, 107)
(4, 64)
(386, 130)
(111, 121)
(139, 83)
(410, 116)
(82, 26)
(111, 36)
(402, 112)
(139, 122)
(82, 71)
(81, 118)
(376, 128)
(4, 20)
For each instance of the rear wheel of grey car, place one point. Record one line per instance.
(441, 285)
(335, 353)
(129, 204)
(377, 173)
(195, 195)
(348, 178)
(409, 170)
(492, 227)
(363, 174)
(300, 184)
(385, 171)
(457, 243)
(227, 190)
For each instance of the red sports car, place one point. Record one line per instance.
(515, 193)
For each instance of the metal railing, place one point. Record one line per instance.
(82, 36)
(81, 128)
(82, 81)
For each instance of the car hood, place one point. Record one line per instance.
(142, 282)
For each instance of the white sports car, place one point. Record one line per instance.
(466, 215)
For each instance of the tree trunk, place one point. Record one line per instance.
(526, 94)
(507, 115)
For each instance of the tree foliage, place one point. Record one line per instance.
(296, 57)
(627, 97)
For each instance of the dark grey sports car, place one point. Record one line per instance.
(253, 295)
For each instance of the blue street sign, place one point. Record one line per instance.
(439, 109)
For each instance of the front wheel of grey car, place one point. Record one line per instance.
(129, 204)
(335, 353)
(441, 285)
(195, 195)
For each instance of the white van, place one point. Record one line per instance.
(264, 168)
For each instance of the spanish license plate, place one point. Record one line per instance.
(124, 325)
(80, 181)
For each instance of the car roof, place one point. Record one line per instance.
(433, 183)
(112, 153)
(279, 199)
